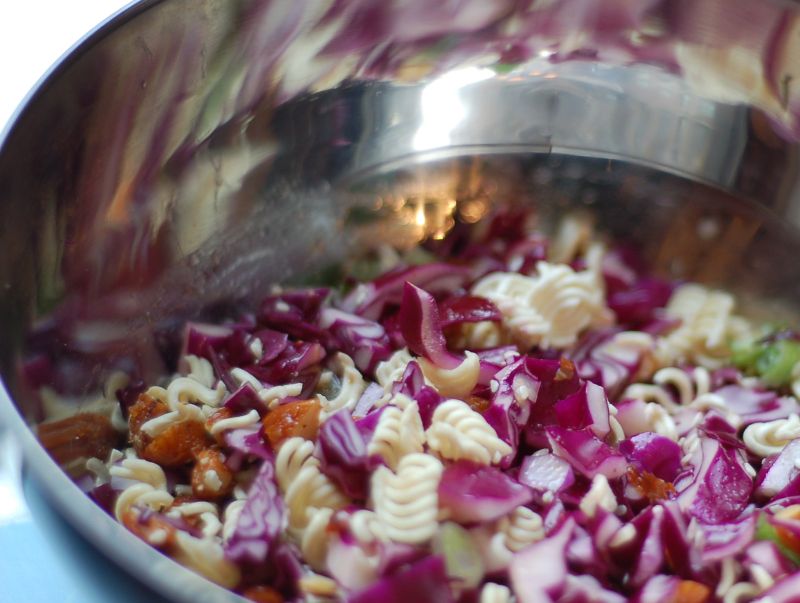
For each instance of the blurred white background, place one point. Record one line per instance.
(34, 34)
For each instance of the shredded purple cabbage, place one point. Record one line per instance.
(475, 493)
(425, 580)
(260, 521)
(343, 452)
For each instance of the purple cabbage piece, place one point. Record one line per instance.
(783, 591)
(392, 556)
(588, 407)
(349, 565)
(727, 539)
(621, 267)
(367, 424)
(650, 550)
(589, 590)
(681, 552)
(779, 476)
(715, 425)
(476, 493)
(609, 366)
(494, 360)
(223, 346)
(638, 305)
(422, 331)
(727, 375)
(425, 580)
(227, 347)
(634, 298)
(364, 340)
(298, 362)
(343, 452)
(539, 572)
(392, 326)
(767, 555)
(355, 568)
(581, 552)
(222, 369)
(244, 399)
(660, 535)
(248, 440)
(467, 309)
(367, 400)
(585, 452)
(523, 255)
(558, 379)
(658, 589)
(778, 503)
(546, 472)
(500, 356)
(719, 488)
(371, 299)
(653, 453)
(229, 342)
(295, 363)
(295, 312)
(272, 344)
(756, 406)
(286, 569)
(427, 400)
(411, 382)
(197, 337)
(509, 410)
(261, 519)
(603, 527)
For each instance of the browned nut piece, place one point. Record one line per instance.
(154, 530)
(177, 445)
(145, 408)
(218, 415)
(295, 419)
(211, 477)
(262, 594)
(85, 435)
(478, 404)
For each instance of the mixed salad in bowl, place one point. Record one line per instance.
(501, 416)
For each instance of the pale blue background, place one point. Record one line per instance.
(43, 560)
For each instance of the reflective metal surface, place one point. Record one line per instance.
(192, 152)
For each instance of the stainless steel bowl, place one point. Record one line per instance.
(190, 153)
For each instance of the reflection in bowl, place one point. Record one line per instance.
(191, 156)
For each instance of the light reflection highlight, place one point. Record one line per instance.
(442, 110)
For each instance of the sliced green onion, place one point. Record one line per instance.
(776, 362)
(745, 354)
(462, 557)
(766, 531)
